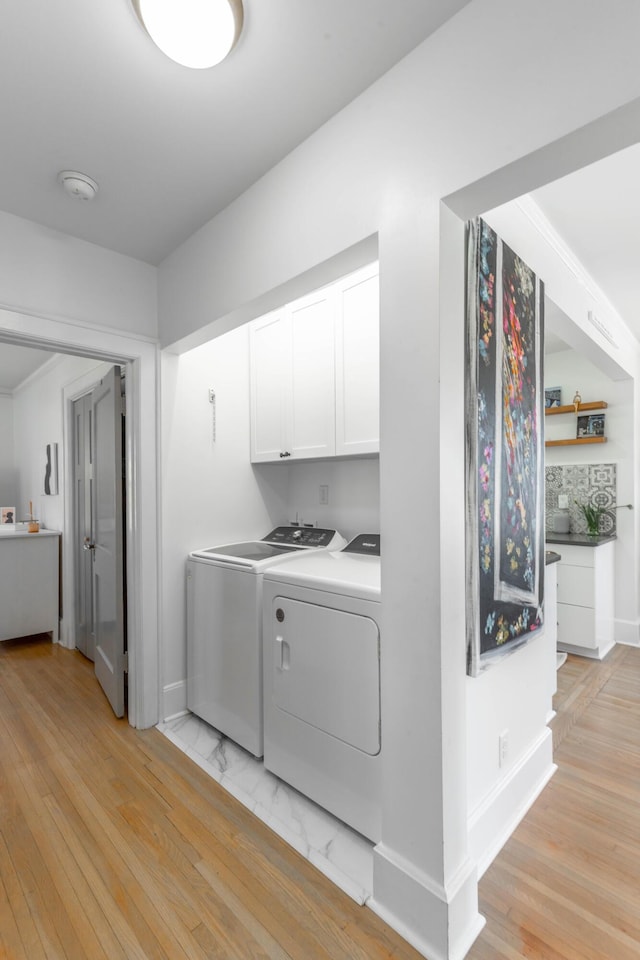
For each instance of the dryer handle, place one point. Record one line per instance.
(283, 654)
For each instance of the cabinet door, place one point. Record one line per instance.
(270, 352)
(358, 364)
(311, 421)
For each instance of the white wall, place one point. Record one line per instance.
(500, 702)
(380, 168)
(38, 420)
(210, 492)
(354, 494)
(572, 371)
(50, 274)
(8, 479)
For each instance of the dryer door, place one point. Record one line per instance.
(326, 670)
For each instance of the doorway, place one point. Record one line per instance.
(140, 359)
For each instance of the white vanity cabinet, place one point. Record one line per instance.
(315, 374)
(29, 583)
(586, 599)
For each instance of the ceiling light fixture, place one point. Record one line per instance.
(77, 185)
(194, 33)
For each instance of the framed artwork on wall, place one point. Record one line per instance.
(504, 449)
(51, 470)
(591, 425)
(552, 397)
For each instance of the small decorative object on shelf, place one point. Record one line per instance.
(577, 400)
(592, 516)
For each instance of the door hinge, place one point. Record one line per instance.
(125, 663)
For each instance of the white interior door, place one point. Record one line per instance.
(108, 552)
(83, 532)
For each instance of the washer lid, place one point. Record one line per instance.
(251, 551)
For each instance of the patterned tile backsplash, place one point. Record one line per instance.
(592, 483)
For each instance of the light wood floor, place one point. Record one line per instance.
(114, 845)
(567, 884)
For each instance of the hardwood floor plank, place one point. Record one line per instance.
(565, 886)
(114, 844)
(17, 902)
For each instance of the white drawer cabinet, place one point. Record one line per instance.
(586, 599)
(29, 583)
(315, 374)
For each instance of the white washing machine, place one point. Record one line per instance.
(224, 627)
(322, 720)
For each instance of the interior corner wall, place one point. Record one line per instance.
(50, 274)
(210, 492)
(380, 167)
(38, 420)
(8, 477)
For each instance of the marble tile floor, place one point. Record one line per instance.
(341, 854)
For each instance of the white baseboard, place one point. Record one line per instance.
(627, 632)
(497, 816)
(441, 924)
(174, 700)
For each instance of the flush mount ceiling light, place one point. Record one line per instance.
(77, 185)
(194, 33)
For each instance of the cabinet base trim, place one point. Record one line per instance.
(594, 653)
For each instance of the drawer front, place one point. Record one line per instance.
(575, 556)
(575, 586)
(576, 626)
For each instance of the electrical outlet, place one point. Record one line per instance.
(503, 748)
(324, 493)
(563, 501)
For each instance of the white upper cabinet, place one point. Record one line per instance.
(358, 364)
(315, 374)
(311, 427)
(270, 352)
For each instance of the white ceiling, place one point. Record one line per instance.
(597, 213)
(17, 363)
(84, 88)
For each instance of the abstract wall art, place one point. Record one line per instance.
(50, 485)
(504, 449)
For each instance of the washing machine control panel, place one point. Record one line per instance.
(364, 543)
(301, 536)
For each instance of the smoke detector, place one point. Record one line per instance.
(77, 185)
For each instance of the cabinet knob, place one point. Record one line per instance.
(285, 454)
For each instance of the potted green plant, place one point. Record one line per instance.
(592, 516)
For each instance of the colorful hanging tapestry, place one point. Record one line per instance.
(504, 449)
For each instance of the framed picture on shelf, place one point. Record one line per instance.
(552, 397)
(7, 515)
(590, 426)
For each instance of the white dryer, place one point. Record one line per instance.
(322, 718)
(224, 627)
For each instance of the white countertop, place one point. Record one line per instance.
(11, 531)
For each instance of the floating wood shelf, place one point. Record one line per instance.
(569, 408)
(574, 440)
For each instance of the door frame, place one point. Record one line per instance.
(140, 357)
